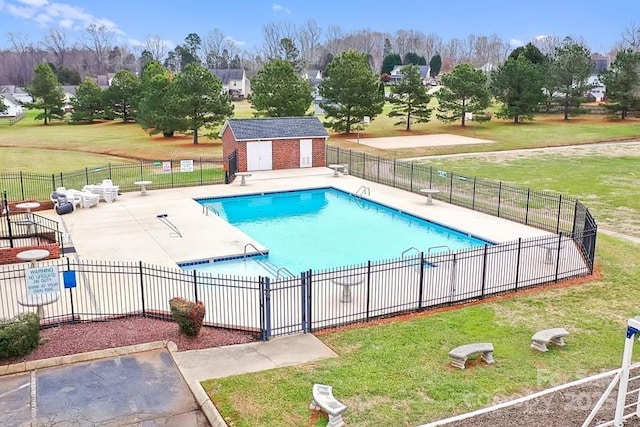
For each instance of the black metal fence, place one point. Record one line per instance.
(24, 229)
(163, 174)
(541, 209)
(312, 300)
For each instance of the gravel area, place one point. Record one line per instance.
(89, 336)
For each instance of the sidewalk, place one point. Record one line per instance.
(200, 365)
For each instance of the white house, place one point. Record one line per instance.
(14, 108)
(234, 81)
(598, 91)
(396, 73)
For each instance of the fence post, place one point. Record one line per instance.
(421, 281)
(558, 257)
(378, 168)
(265, 308)
(484, 269)
(394, 173)
(110, 173)
(73, 311)
(575, 218)
(451, 187)
(53, 182)
(144, 309)
(411, 178)
(201, 177)
(350, 162)
(430, 176)
(5, 204)
(21, 186)
(303, 302)
(526, 214)
(368, 289)
(518, 262)
(499, 197)
(473, 195)
(195, 285)
(559, 212)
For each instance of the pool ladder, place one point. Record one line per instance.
(274, 270)
(438, 247)
(206, 209)
(363, 190)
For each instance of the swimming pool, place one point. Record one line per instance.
(324, 228)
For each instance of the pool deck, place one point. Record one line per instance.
(129, 229)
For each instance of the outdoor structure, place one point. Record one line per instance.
(234, 81)
(275, 143)
(14, 108)
(397, 75)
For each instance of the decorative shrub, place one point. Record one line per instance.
(188, 315)
(19, 336)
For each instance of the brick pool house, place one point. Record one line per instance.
(273, 143)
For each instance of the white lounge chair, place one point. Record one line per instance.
(88, 200)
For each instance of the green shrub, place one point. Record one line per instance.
(19, 336)
(188, 315)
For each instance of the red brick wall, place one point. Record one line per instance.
(8, 255)
(285, 154)
(228, 146)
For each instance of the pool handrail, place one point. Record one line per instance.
(286, 270)
(410, 249)
(254, 247)
(438, 247)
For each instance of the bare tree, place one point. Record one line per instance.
(273, 33)
(547, 44)
(432, 45)
(310, 35)
(57, 44)
(409, 41)
(25, 57)
(98, 39)
(157, 47)
(220, 51)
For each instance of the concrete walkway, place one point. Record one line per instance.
(200, 365)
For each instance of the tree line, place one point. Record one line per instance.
(97, 50)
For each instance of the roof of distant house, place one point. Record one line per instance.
(275, 128)
(227, 74)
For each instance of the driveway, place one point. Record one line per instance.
(142, 389)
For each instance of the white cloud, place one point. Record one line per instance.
(235, 42)
(540, 37)
(280, 8)
(45, 13)
(515, 43)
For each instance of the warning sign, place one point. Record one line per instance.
(42, 280)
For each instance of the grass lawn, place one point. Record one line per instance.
(398, 372)
(603, 182)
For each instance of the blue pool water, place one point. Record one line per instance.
(325, 228)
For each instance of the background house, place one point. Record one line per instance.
(234, 81)
(396, 74)
(275, 143)
(18, 93)
(14, 107)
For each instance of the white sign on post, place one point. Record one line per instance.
(42, 280)
(468, 116)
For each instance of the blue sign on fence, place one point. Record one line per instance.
(69, 278)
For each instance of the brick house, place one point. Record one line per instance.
(275, 142)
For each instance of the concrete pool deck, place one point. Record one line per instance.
(129, 228)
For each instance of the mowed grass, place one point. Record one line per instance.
(398, 372)
(606, 183)
(129, 141)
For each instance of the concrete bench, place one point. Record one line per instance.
(459, 355)
(323, 400)
(540, 339)
(242, 176)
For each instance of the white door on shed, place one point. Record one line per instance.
(306, 153)
(259, 156)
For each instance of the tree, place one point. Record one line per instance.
(410, 99)
(88, 102)
(122, 95)
(622, 81)
(518, 84)
(56, 43)
(531, 52)
(46, 93)
(155, 111)
(389, 62)
(465, 91)
(351, 91)
(3, 107)
(568, 73)
(279, 91)
(435, 64)
(290, 53)
(197, 98)
(98, 40)
(413, 58)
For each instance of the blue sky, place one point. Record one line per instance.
(598, 23)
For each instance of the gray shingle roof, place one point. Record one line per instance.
(227, 74)
(276, 128)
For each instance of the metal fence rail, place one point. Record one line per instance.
(163, 174)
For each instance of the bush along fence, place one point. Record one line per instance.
(163, 174)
